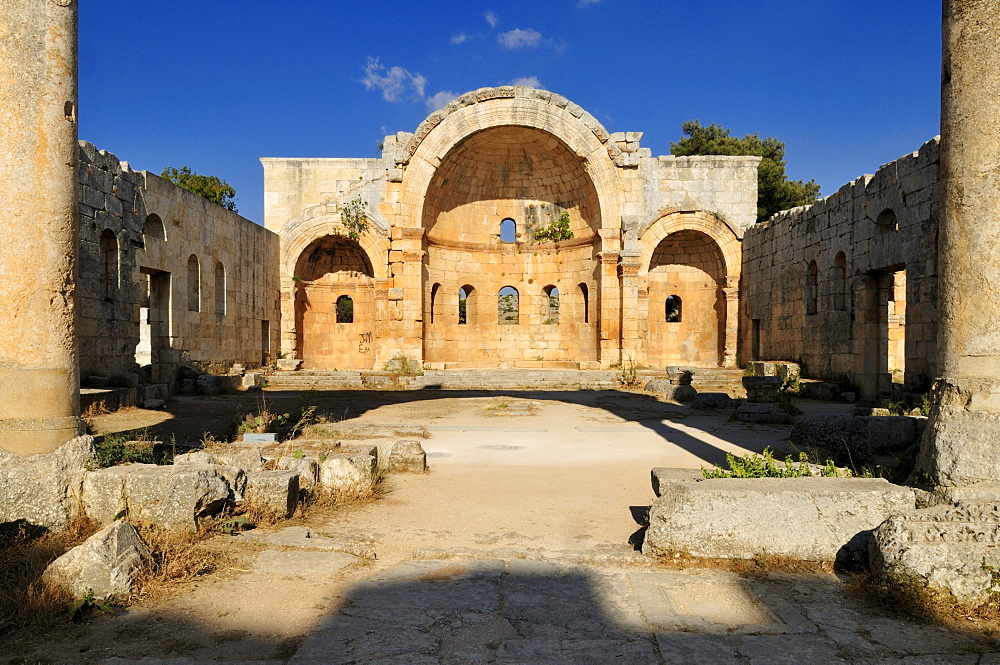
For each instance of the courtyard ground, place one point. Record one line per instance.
(516, 547)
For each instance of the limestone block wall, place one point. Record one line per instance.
(143, 302)
(848, 286)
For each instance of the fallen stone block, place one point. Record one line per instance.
(854, 440)
(407, 456)
(713, 401)
(828, 392)
(44, 489)
(306, 467)
(174, 496)
(276, 493)
(809, 519)
(235, 477)
(207, 384)
(755, 412)
(346, 473)
(950, 549)
(106, 564)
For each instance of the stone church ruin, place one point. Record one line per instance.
(887, 284)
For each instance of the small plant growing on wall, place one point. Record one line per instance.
(354, 216)
(557, 230)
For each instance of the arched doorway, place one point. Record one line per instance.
(687, 304)
(334, 305)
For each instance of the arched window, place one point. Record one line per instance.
(672, 309)
(550, 306)
(434, 293)
(508, 307)
(585, 296)
(109, 264)
(153, 228)
(194, 284)
(345, 309)
(812, 289)
(887, 222)
(508, 230)
(466, 305)
(840, 282)
(220, 288)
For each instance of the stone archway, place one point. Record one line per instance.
(693, 259)
(334, 304)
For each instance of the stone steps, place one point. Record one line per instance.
(466, 379)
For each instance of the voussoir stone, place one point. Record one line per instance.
(106, 564)
(174, 496)
(810, 519)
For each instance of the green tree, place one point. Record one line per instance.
(209, 187)
(774, 190)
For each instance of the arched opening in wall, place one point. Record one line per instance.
(194, 284)
(812, 288)
(220, 288)
(840, 282)
(687, 306)
(508, 306)
(345, 309)
(508, 231)
(109, 264)
(434, 301)
(550, 305)
(335, 305)
(887, 222)
(672, 309)
(466, 305)
(523, 179)
(153, 228)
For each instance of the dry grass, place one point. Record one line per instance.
(25, 553)
(177, 558)
(320, 499)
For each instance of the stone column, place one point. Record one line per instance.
(39, 375)
(610, 332)
(963, 442)
(731, 292)
(632, 348)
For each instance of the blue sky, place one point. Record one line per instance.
(214, 85)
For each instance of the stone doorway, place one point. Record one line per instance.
(154, 322)
(882, 332)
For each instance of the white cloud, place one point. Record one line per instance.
(439, 100)
(460, 38)
(492, 19)
(517, 38)
(392, 82)
(530, 81)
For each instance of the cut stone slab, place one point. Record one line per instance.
(234, 475)
(174, 496)
(306, 538)
(713, 401)
(407, 456)
(304, 564)
(809, 519)
(106, 564)
(762, 412)
(954, 549)
(346, 472)
(306, 467)
(276, 492)
(43, 489)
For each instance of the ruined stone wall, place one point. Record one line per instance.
(848, 286)
(141, 292)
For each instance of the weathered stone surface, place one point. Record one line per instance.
(853, 440)
(762, 389)
(276, 492)
(828, 392)
(308, 564)
(235, 476)
(175, 496)
(679, 392)
(43, 489)
(713, 401)
(106, 564)
(762, 412)
(347, 472)
(811, 519)
(408, 456)
(288, 364)
(680, 376)
(945, 548)
(306, 467)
